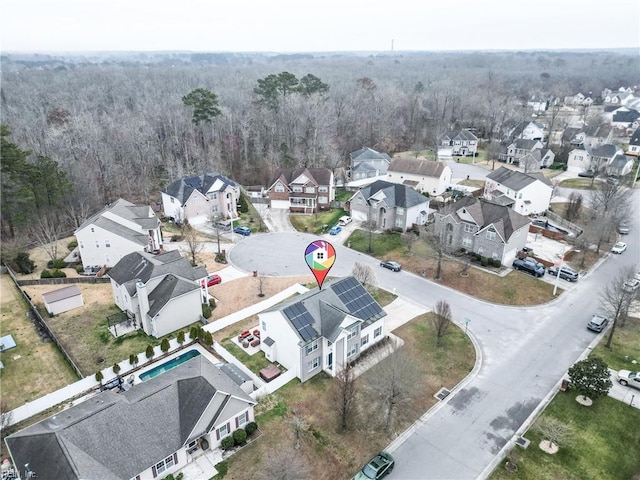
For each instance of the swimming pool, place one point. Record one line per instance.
(174, 362)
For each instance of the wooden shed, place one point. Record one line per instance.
(63, 300)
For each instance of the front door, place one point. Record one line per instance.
(330, 360)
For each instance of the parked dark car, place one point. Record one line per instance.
(240, 230)
(530, 266)
(566, 273)
(597, 323)
(378, 467)
(391, 265)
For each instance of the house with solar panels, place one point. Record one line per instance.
(200, 199)
(323, 329)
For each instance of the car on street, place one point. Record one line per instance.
(336, 229)
(344, 220)
(623, 228)
(628, 378)
(631, 286)
(566, 273)
(241, 230)
(378, 467)
(212, 280)
(597, 323)
(391, 265)
(619, 248)
(529, 265)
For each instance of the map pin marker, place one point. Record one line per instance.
(320, 257)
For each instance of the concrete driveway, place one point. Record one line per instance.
(627, 395)
(276, 219)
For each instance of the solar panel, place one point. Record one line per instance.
(356, 299)
(302, 320)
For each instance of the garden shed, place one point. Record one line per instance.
(63, 300)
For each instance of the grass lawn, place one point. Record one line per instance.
(342, 195)
(34, 367)
(516, 288)
(579, 183)
(601, 446)
(314, 223)
(322, 443)
(624, 346)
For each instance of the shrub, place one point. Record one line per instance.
(23, 264)
(251, 428)
(180, 338)
(133, 359)
(484, 261)
(116, 368)
(212, 303)
(58, 274)
(227, 443)
(194, 332)
(45, 274)
(79, 268)
(149, 352)
(207, 338)
(72, 244)
(164, 345)
(206, 310)
(240, 437)
(222, 468)
(495, 262)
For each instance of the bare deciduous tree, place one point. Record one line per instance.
(47, 231)
(574, 206)
(615, 300)
(436, 236)
(193, 243)
(365, 275)
(299, 426)
(553, 430)
(392, 383)
(345, 393)
(283, 463)
(441, 320)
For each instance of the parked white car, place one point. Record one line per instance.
(344, 220)
(619, 248)
(626, 377)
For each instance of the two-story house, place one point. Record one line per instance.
(201, 199)
(160, 294)
(482, 227)
(151, 430)
(323, 329)
(302, 190)
(118, 230)
(426, 176)
(459, 142)
(528, 131)
(634, 144)
(525, 193)
(389, 206)
(592, 159)
(518, 149)
(368, 163)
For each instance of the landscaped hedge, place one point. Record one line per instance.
(251, 428)
(240, 437)
(227, 443)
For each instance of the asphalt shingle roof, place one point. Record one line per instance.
(366, 153)
(396, 195)
(318, 176)
(183, 188)
(117, 436)
(516, 180)
(462, 135)
(635, 138)
(417, 166)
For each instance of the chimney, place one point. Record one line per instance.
(143, 304)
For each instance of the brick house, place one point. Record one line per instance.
(302, 190)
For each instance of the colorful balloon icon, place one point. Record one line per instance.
(320, 257)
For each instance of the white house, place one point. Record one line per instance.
(368, 163)
(634, 144)
(519, 148)
(425, 176)
(63, 299)
(525, 193)
(389, 206)
(201, 199)
(459, 142)
(118, 230)
(592, 159)
(160, 294)
(151, 430)
(528, 131)
(322, 330)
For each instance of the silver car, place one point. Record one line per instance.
(597, 323)
(628, 378)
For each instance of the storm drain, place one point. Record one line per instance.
(523, 442)
(442, 393)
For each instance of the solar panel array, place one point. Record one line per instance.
(302, 320)
(357, 300)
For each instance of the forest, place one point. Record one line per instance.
(79, 132)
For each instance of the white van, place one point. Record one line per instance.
(344, 220)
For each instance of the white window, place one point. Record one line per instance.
(92, 230)
(491, 234)
(323, 189)
(313, 364)
(279, 188)
(364, 340)
(97, 244)
(400, 211)
(309, 190)
(172, 199)
(81, 244)
(468, 228)
(353, 331)
(297, 189)
(107, 243)
(242, 419)
(164, 464)
(264, 326)
(311, 347)
(399, 222)
(466, 242)
(223, 431)
(323, 199)
(377, 332)
(352, 350)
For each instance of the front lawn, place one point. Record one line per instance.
(604, 443)
(624, 346)
(315, 222)
(579, 183)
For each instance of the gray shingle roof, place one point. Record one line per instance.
(629, 117)
(525, 144)
(169, 287)
(183, 188)
(366, 153)
(319, 176)
(116, 436)
(61, 293)
(143, 266)
(516, 180)
(417, 166)
(605, 151)
(396, 195)
(462, 135)
(326, 309)
(635, 138)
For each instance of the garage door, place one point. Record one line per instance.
(199, 220)
(509, 257)
(359, 216)
(280, 204)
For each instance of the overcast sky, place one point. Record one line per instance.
(314, 26)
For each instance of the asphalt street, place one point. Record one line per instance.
(522, 353)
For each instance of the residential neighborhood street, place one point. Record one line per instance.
(522, 356)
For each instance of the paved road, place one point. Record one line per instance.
(522, 354)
